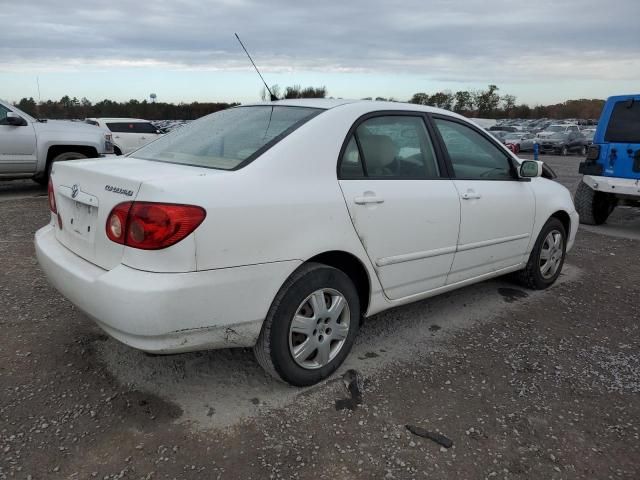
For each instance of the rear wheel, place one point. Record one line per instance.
(593, 207)
(564, 151)
(547, 257)
(310, 327)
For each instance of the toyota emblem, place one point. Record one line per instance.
(74, 191)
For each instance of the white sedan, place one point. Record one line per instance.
(279, 226)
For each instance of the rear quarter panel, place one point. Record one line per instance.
(285, 205)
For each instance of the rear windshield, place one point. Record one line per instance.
(226, 139)
(624, 124)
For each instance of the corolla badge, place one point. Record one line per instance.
(123, 191)
(74, 190)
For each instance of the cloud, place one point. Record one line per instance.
(465, 40)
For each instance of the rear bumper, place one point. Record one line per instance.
(166, 312)
(618, 186)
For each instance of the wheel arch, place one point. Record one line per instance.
(55, 150)
(353, 267)
(565, 219)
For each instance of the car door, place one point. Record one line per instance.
(124, 136)
(621, 139)
(497, 210)
(147, 133)
(404, 209)
(18, 152)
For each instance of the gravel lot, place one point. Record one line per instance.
(525, 384)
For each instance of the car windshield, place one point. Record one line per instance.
(226, 139)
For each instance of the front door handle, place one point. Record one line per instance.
(368, 199)
(470, 196)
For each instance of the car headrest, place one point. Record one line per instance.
(379, 151)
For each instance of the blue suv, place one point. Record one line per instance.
(611, 172)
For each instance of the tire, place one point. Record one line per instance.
(43, 178)
(533, 275)
(593, 207)
(564, 151)
(583, 151)
(279, 340)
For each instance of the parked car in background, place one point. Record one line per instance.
(129, 134)
(29, 147)
(369, 205)
(564, 143)
(558, 128)
(611, 172)
(521, 141)
(588, 133)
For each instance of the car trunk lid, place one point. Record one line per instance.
(87, 190)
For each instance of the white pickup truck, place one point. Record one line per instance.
(28, 147)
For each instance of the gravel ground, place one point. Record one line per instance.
(525, 384)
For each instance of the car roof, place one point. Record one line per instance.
(124, 120)
(364, 105)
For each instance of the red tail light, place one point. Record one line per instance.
(152, 226)
(52, 198)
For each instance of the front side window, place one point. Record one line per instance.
(624, 124)
(394, 146)
(226, 139)
(472, 155)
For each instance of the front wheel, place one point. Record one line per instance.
(310, 327)
(43, 178)
(547, 257)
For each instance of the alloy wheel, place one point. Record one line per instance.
(319, 328)
(551, 254)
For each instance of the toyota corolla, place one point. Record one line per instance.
(280, 226)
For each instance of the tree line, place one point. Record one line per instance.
(70, 108)
(489, 103)
(486, 103)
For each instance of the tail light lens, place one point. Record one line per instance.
(152, 226)
(52, 198)
(593, 153)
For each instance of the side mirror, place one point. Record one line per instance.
(15, 120)
(530, 169)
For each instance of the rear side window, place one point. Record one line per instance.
(624, 124)
(3, 113)
(133, 127)
(396, 146)
(227, 139)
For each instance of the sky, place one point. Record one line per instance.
(541, 51)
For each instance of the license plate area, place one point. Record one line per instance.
(82, 220)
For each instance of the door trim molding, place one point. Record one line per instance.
(409, 257)
(494, 241)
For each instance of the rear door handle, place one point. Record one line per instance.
(368, 199)
(470, 196)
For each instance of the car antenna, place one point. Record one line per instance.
(271, 95)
